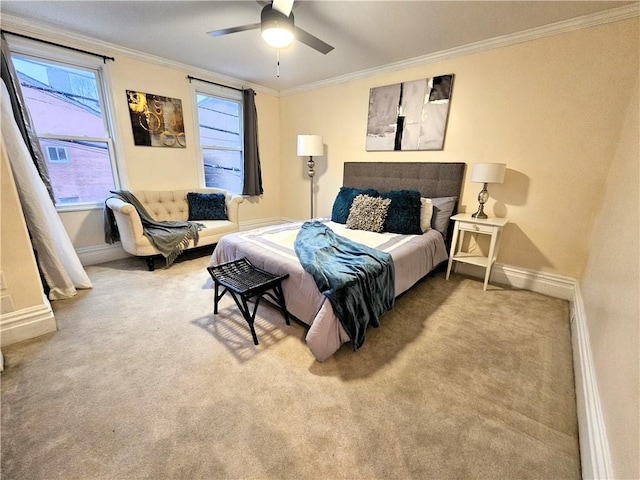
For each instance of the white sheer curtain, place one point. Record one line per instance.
(58, 260)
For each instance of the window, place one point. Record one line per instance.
(219, 120)
(67, 107)
(57, 154)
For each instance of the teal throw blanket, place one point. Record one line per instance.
(358, 280)
(170, 238)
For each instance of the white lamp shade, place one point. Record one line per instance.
(310, 146)
(488, 172)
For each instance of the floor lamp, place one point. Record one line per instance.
(310, 146)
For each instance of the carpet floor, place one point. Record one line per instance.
(142, 381)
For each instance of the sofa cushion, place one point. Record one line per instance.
(206, 206)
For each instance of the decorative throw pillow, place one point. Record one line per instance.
(426, 212)
(206, 206)
(368, 213)
(404, 212)
(344, 199)
(442, 210)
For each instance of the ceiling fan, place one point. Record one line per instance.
(278, 27)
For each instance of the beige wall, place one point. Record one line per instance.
(551, 109)
(149, 168)
(171, 168)
(610, 288)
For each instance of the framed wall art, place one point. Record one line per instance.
(409, 115)
(156, 121)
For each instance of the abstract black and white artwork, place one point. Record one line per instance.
(409, 115)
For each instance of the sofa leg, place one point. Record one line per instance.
(150, 263)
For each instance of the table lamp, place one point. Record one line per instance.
(486, 173)
(310, 146)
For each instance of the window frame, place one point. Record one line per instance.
(59, 55)
(223, 93)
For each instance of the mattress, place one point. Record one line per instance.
(271, 249)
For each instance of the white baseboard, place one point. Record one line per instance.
(27, 323)
(594, 446)
(551, 284)
(101, 253)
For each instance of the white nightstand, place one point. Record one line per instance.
(489, 226)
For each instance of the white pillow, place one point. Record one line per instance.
(426, 212)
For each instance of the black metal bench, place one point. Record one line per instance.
(244, 282)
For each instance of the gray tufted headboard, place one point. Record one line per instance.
(430, 179)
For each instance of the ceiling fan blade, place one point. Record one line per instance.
(226, 31)
(313, 42)
(283, 6)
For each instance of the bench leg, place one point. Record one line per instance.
(217, 297)
(277, 296)
(281, 302)
(244, 309)
(250, 318)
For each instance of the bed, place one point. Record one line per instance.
(414, 256)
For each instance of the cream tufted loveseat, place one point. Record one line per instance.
(167, 206)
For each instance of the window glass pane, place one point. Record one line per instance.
(66, 105)
(223, 169)
(62, 100)
(85, 176)
(53, 154)
(219, 122)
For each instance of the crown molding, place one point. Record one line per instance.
(53, 34)
(29, 27)
(585, 21)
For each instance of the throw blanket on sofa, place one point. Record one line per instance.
(170, 238)
(358, 280)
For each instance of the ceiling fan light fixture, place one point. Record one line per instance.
(277, 29)
(277, 37)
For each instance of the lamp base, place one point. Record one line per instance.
(483, 196)
(311, 172)
(480, 214)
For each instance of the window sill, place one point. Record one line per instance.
(79, 207)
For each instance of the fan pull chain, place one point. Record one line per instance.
(278, 63)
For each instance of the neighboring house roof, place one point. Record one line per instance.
(27, 81)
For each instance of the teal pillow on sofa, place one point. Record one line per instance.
(404, 212)
(207, 206)
(344, 199)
